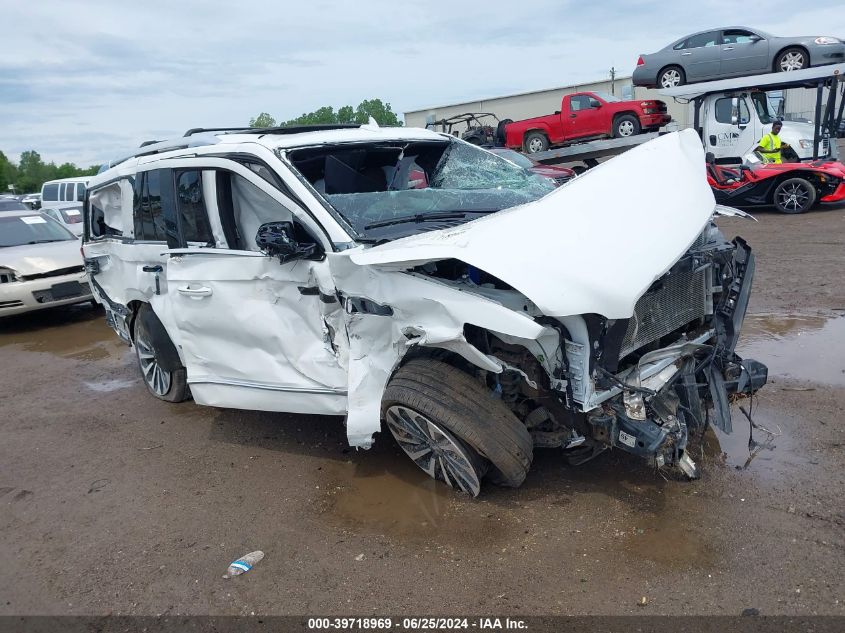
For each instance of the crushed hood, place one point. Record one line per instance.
(34, 259)
(594, 245)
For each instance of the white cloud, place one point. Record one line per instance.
(84, 81)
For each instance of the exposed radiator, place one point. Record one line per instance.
(680, 299)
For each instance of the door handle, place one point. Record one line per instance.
(572, 116)
(728, 48)
(685, 54)
(195, 293)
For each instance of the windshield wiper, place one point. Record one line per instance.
(43, 241)
(425, 217)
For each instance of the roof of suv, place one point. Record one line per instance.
(199, 139)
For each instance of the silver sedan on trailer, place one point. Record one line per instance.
(733, 52)
(40, 264)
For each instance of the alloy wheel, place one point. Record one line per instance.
(535, 145)
(433, 449)
(157, 378)
(793, 196)
(670, 78)
(626, 128)
(793, 60)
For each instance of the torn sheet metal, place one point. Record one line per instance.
(581, 250)
(424, 312)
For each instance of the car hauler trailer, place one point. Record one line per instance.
(732, 115)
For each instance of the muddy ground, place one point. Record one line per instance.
(114, 502)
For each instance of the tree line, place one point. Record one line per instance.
(31, 172)
(375, 108)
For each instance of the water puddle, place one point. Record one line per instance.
(75, 332)
(807, 348)
(108, 386)
(385, 493)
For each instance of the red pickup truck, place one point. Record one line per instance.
(586, 115)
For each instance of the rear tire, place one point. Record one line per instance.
(473, 425)
(791, 59)
(535, 142)
(626, 126)
(671, 76)
(151, 343)
(795, 195)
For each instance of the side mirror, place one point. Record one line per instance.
(735, 111)
(277, 240)
(755, 38)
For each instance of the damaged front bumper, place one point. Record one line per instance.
(652, 409)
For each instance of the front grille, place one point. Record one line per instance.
(55, 273)
(824, 147)
(677, 300)
(46, 296)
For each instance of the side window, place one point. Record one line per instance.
(244, 207)
(147, 212)
(190, 204)
(723, 111)
(62, 188)
(736, 36)
(711, 38)
(50, 193)
(680, 45)
(105, 211)
(581, 102)
(80, 191)
(69, 192)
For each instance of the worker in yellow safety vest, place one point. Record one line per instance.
(770, 145)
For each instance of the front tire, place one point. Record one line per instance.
(791, 59)
(795, 195)
(671, 77)
(535, 142)
(625, 126)
(453, 428)
(155, 353)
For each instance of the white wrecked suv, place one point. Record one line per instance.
(405, 276)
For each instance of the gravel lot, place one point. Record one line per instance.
(116, 503)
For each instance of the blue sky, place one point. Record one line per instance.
(82, 81)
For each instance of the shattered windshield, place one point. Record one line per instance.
(389, 189)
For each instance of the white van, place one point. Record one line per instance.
(58, 193)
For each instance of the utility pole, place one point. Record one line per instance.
(612, 80)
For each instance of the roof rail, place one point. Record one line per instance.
(290, 129)
(156, 147)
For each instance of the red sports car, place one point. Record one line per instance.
(791, 187)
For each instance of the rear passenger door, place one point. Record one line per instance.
(253, 333)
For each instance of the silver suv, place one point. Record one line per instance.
(407, 277)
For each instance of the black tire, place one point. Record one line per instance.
(535, 142)
(793, 58)
(500, 132)
(671, 76)
(626, 126)
(158, 361)
(456, 401)
(794, 195)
